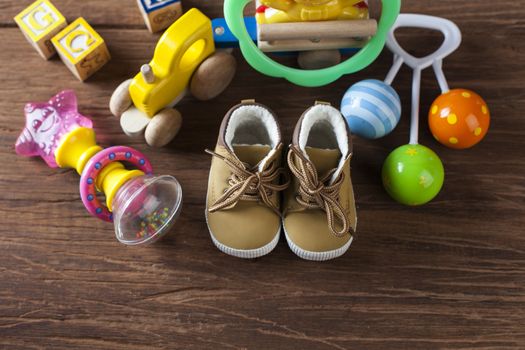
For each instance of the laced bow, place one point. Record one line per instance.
(315, 193)
(249, 184)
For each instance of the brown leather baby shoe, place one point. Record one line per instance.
(243, 202)
(319, 214)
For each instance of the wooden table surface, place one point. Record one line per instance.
(448, 275)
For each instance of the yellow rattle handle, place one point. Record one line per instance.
(78, 147)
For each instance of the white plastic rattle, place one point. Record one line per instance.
(452, 40)
(413, 174)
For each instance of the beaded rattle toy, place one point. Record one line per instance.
(413, 174)
(143, 207)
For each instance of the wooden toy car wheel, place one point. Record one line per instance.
(213, 76)
(318, 59)
(121, 99)
(163, 127)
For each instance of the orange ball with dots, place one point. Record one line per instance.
(459, 119)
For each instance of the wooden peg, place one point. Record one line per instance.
(147, 73)
(318, 30)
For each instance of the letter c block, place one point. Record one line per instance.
(81, 49)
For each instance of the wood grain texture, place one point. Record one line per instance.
(449, 275)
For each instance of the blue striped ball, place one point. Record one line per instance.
(372, 108)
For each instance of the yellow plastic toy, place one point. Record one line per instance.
(184, 56)
(311, 10)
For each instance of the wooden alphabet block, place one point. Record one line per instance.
(159, 14)
(40, 22)
(81, 49)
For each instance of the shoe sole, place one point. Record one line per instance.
(244, 253)
(317, 256)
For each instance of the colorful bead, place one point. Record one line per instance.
(459, 119)
(152, 222)
(372, 108)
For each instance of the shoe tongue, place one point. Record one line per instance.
(251, 154)
(324, 160)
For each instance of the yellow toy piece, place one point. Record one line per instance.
(282, 11)
(79, 146)
(40, 22)
(76, 148)
(81, 49)
(181, 49)
(112, 178)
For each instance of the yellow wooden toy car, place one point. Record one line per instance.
(184, 57)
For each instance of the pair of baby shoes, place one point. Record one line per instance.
(251, 195)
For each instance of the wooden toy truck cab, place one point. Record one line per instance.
(184, 57)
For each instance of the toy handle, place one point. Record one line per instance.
(180, 38)
(450, 31)
(88, 190)
(452, 40)
(233, 13)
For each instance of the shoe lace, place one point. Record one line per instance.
(249, 184)
(315, 193)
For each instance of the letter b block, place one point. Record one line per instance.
(81, 49)
(40, 22)
(159, 14)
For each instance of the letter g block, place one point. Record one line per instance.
(40, 22)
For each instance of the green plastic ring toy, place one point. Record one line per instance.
(233, 13)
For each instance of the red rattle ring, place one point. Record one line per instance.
(88, 190)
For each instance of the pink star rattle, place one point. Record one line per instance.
(46, 123)
(143, 207)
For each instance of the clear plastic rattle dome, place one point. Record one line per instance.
(145, 208)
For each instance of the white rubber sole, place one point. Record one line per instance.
(317, 256)
(246, 253)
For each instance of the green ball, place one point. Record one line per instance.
(413, 174)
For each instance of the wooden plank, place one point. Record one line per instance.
(308, 45)
(317, 31)
(447, 275)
